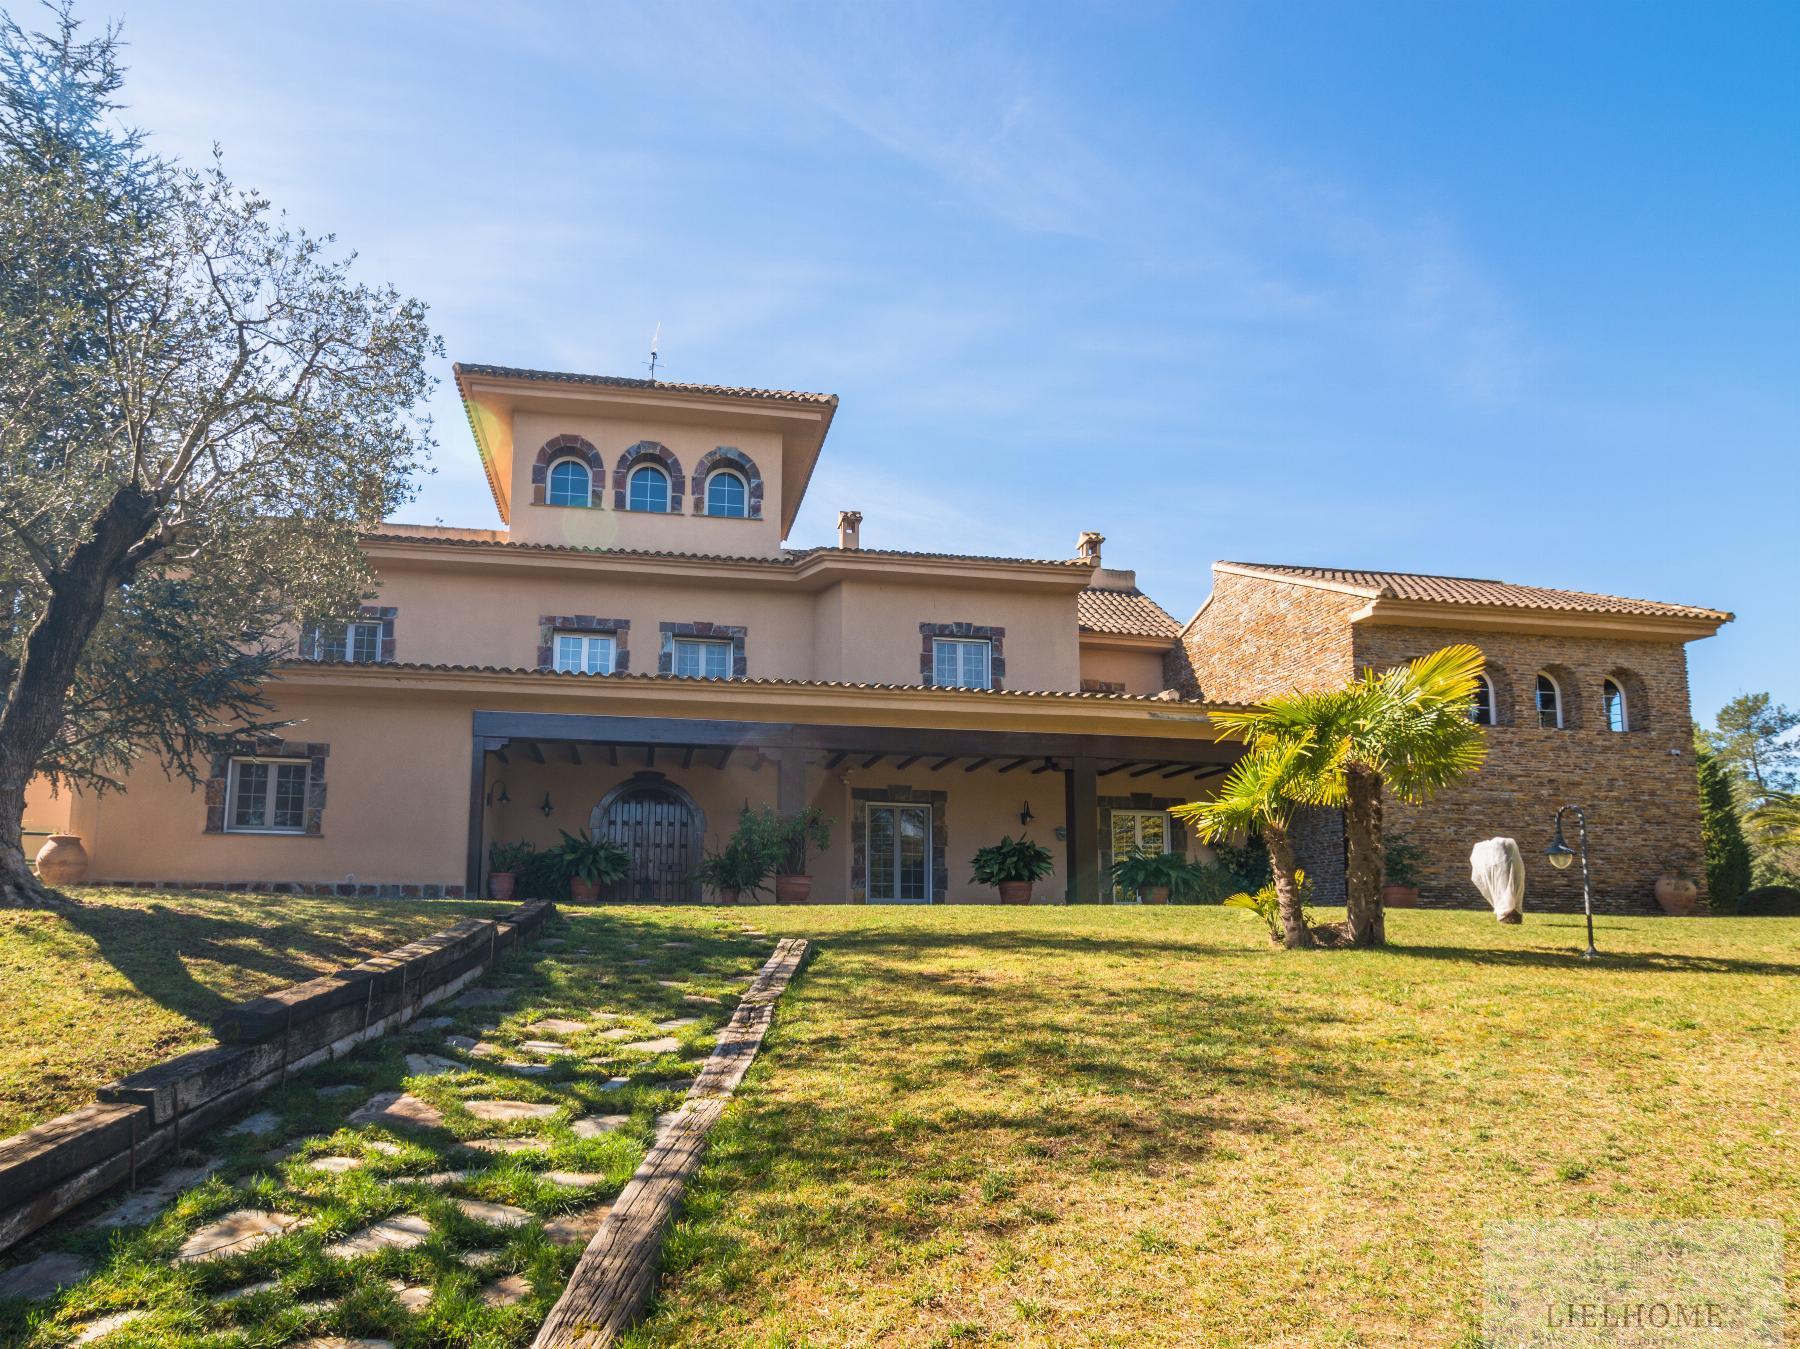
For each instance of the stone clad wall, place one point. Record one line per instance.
(1257, 638)
(1638, 787)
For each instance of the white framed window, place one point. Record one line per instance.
(266, 796)
(700, 658)
(1481, 707)
(1618, 713)
(962, 663)
(1136, 831)
(354, 641)
(570, 484)
(1549, 703)
(647, 489)
(726, 494)
(898, 866)
(585, 653)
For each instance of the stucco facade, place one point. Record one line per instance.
(636, 652)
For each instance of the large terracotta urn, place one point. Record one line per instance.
(62, 860)
(1676, 895)
(793, 889)
(1015, 892)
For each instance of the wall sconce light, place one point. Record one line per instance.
(1062, 833)
(546, 807)
(1025, 815)
(497, 794)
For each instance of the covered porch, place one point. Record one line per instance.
(910, 804)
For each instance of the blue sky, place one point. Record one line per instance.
(1506, 290)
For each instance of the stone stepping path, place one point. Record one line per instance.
(617, 1033)
(333, 1166)
(414, 1297)
(526, 1069)
(545, 1047)
(339, 1342)
(39, 1278)
(340, 1089)
(509, 1145)
(431, 1065)
(557, 1025)
(149, 1200)
(484, 997)
(666, 1044)
(249, 1290)
(702, 1000)
(504, 1292)
(437, 1178)
(257, 1125)
(95, 1330)
(577, 1229)
(244, 1230)
(678, 1023)
(575, 1180)
(495, 1215)
(397, 1109)
(593, 1126)
(673, 1084)
(435, 1023)
(500, 1112)
(400, 1233)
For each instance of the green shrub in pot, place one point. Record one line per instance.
(1011, 866)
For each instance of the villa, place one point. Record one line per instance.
(637, 653)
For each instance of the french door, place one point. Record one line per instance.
(1137, 831)
(899, 854)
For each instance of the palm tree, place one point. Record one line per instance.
(1405, 729)
(1260, 795)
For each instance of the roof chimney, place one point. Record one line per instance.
(849, 529)
(1087, 547)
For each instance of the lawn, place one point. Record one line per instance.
(130, 977)
(1124, 1126)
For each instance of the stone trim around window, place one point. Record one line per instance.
(218, 780)
(665, 659)
(859, 836)
(649, 452)
(726, 456)
(1178, 837)
(619, 629)
(567, 447)
(1102, 686)
(996, 638)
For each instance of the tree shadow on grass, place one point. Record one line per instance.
(1570, 958)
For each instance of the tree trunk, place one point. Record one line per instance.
(39, 692)
(1362, 837)
(1294, 932)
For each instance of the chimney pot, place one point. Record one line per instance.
(849, 529)
(1087, 547)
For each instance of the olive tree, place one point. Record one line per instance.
(199, 408)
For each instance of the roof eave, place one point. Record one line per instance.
(1389, 612)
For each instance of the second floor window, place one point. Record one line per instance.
(1618, 716)
(648, 490)
(726, 495)
(569, 484)
(1549, 703)
(584, 653)
(1481, 709)
(700, 659)
(959, 663)
(358, 642)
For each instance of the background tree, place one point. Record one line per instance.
(1755, 742)
(1727, 854)
(198, 410)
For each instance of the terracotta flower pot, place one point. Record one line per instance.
(1154, 894)
(583, 892)
(1015, 892)
(730, 894)
(1399, 896)
(62, 860)
(500, 884)
(793, 889)
(1675, 895)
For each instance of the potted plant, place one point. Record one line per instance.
(1012, 865)
(744, 863)
(1152, 876)
(589, 863)
(505, 862)
(797, 834)
(1400, 872)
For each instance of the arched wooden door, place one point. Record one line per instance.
(661, 828)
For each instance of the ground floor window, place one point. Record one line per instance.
(1137, 831)
(701, 659)
(581, 653)
(898, 853)
(267, 796)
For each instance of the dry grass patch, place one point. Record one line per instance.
(1120, 1126)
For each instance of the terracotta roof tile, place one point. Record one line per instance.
(1126, 613)
(1416, 586)
(624, 382)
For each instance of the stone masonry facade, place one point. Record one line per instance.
(1260, 637)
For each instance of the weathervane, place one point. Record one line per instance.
(655, 342)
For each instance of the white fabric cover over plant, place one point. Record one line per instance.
(1499, 873)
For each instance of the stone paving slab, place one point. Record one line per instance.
(484, 997)
(495, 1215)
(257, 1125)
(148, 1200)
(577, 1229)
(575, 1180)
(545, 1047)
(105, 1326)
(249, 1290)
(509, 1145)
(445, 1178)
(431, 1065)
(678, 1023)
(333, 1166)
(398, 1233)
(41, 1277)
(243, 1230)
(525, 1069)
(666, 1044)
(506, 1291)
(557, 1025)
(396, 1109)
(414, 1297)
(503, 1111)
(593, 1126)
(617, 1033)
(339, 1342)
(702, 1000)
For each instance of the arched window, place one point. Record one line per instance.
(1481, 708)
(570, 484)
(1549, 703)
(726, 494)
(648, 489)
(1612, 700)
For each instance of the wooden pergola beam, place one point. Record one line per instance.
(836, 759)
(979, 763)
(1016, 763)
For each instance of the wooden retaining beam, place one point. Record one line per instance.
(618, 1270)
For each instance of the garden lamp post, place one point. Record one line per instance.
(1561, 854)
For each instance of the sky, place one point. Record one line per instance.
(1507, 290)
